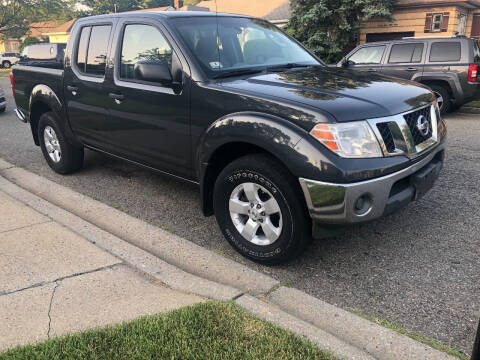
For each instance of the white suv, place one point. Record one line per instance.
(8, 59)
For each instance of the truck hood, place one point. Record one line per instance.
(344, 94)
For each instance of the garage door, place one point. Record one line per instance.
(389, 36)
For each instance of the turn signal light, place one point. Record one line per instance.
(323, 134)
(472, 72)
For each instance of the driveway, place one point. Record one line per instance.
(419, 267)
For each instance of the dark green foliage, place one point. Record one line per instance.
(328, 27)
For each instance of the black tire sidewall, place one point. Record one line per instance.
(6, 65)
(291, 239)
(63, 166)
(447, 106)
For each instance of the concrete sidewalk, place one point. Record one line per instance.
(54, 281)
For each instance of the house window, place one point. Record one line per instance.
(437, 22)
(462, 24)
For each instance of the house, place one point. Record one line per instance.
(423, 18)
(35, 30)
(60, 33)
(275, 11)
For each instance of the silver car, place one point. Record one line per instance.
(8, 59)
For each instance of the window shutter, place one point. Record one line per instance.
(428, 23)
(445, 18)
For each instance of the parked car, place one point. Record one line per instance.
(49, 55)
(3, 101)
(275, 140)
(8, 59)
(448, 65)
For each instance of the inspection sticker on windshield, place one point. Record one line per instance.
(216, 65)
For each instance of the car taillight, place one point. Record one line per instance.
(12, 83)
(472, 72)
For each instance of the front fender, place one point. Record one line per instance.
(271, 133)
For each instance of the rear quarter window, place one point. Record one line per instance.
(445, 51)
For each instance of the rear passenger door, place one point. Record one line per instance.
(405, 60)
(84, 82)
(367, 58)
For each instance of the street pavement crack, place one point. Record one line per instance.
(57, 284)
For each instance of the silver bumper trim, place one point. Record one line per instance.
(335, 203)
(20, 115)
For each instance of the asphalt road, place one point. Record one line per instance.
(419, 268)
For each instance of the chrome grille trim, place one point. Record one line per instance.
(402, 136)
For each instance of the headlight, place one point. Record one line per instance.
(348, 140)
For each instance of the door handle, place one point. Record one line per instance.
(72, 89)
(117, 97)
(372, 70)
(411, 69)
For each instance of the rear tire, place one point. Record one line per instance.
(442, 95)
(279, 208)
(6, 64)
(61, 156)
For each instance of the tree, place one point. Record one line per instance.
(191, 2)
(328, 27)
(98, 7)
(16, 15)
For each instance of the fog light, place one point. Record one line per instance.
(363, 204)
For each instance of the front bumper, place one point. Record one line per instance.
(330, 203)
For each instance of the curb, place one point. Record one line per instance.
(323, 339)
(468, 110)
(185, 266)
(376, 340)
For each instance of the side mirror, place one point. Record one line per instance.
(153, 71)
(347, 63)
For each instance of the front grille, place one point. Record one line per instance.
(412, 119)
(387, 136)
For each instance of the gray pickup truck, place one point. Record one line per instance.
(448, 65)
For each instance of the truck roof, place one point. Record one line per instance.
(165, 14)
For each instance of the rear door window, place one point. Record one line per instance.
(82, 48)
(97, 50)
(445, 51)
(406, 53)
(368, 55)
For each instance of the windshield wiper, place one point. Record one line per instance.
(238, 72)
(288, 66)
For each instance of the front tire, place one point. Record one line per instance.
(6, 64)
(261, 211)
(61, 156)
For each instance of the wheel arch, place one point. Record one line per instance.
(42, 100)
(237, 135)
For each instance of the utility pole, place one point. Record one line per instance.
(476, 346)
(115, 8)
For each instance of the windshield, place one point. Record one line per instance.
(237, 43)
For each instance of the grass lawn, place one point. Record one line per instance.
(210, 330)
(5, 72)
